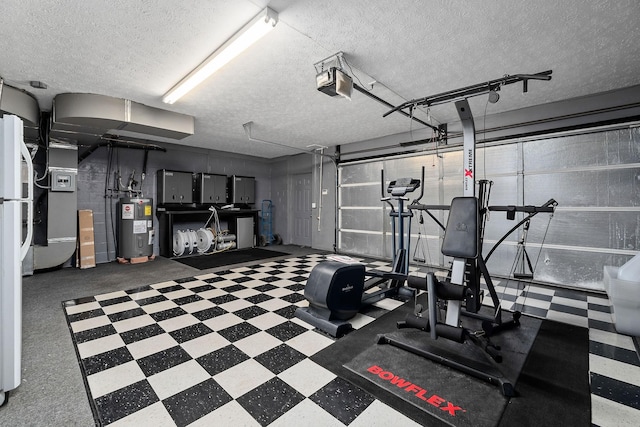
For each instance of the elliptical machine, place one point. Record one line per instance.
(337, 289)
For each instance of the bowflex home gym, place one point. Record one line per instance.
(337, 290)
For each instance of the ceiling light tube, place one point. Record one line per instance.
(260, 25)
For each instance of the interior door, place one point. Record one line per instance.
(302, 210)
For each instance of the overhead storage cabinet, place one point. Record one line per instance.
(211, 188)
(174, 187)
(243, 189)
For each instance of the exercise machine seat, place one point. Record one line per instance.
(461, 234)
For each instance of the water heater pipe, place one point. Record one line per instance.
(320, 189)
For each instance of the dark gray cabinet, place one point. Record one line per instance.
(211, 188)
(243, 189)
(174, 187)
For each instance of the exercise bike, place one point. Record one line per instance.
(337, 289)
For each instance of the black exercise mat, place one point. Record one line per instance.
(203, 262)
(447, 389)
(554, 384)
(470, 393)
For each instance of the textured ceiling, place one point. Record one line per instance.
(139, 50)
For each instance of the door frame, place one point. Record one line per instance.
(293, 182)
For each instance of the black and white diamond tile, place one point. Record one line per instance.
(226, 349)
(225, 342)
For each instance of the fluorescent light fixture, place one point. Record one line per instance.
(255, 29)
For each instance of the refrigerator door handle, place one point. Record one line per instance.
(28, 201)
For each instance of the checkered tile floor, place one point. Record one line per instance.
(225, 349)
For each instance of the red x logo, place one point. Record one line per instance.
(451, 409)
(468, 173)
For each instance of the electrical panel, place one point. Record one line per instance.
(63, 167)
(174, 187)
(63, 180)
(210, 188)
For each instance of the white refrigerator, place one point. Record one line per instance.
(13, 152)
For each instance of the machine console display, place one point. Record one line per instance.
(402, 186)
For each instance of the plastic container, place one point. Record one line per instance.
(625, 299)
(630, 270)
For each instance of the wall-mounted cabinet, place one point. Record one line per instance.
(174, 187)
(210, 188)
(243, 189)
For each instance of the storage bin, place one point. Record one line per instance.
(625, 299)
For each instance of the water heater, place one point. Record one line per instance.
(135, 227)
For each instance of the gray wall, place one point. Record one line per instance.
(92, 174)
(282, 186)
(323, 231)
(281, 189)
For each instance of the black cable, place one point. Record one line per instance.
(368, 92)
(484, 137)
(354, 75)
(106, 186)
(535, 267)
(113, 228)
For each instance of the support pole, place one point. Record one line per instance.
(468, 149)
